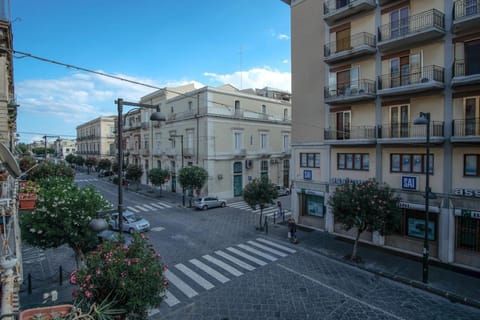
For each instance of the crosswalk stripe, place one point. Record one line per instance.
(160, 205)
(276, 245)
(170, 299)
(223, 265)
(182, 286)
(261, 246)
(133, 209)
(214, 273)
(141, 208)
(165, 204)
(235, 260)
(195, 276)
(247, 256)
(149, 207)
(260, 253)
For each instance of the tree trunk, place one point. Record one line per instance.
(355, 245)
(79, 258)
(260, 221)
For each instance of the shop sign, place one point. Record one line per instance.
(307, 174)
(341, 180)
(409, 183)
(418, 207)
(313, 192)
(471, 213)
(467, 192)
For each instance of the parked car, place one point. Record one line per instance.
(282, 191)
(114, 236)
(209, 202)
(131, 222)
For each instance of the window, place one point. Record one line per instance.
(472, 124)
(286, 142)
(264, 109)
(310, 160)
(190, 106)
(353, 161)
(264, 168)
(472, 57)
(237, 106)
(410, 163)
(343, 125)
(285, 114)
(399, 116)
(341, 82)
(263, 141)
(399, 22)
(343, 40)
(145, 139)
(471, 166)
(237, 140)
(468, 232)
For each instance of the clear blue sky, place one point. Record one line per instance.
(159, 42)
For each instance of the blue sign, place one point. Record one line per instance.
(307, 174)
(409, 183)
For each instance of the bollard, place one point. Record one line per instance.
(29, 283)
(274, 218)
(60, 275)
(266, 225)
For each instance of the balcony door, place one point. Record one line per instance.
(343, 40)
(399, 22)
(399, 71)
(471, 7)
(399, 116)
(471, 117)
(472, 57)
(342, 3)
(343, 125)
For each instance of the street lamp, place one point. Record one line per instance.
(181, 146)
(424, 119)
(156, 116)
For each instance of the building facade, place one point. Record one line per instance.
(383, 63)
(96, 138)
(64, 147)
(236, 136)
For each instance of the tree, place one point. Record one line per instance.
(62, 215)
(90, 162)
(157, 176)
(49, 169)
(368, 206)
(260, 192)
(22, 148)
(79, 161)
(71, 158)
(104, 164)
(26, 162)
(192, 178)
(134, 173)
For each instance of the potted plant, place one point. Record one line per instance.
(47, 313)
(28, 194)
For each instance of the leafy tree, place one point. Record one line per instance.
(368, 206)
(192, 178)
(26, 162)
(22, 148)
(41, 151)
(63, 212)
(79, 161)
(104, 164)
(260, 192)
(157, 176)
(71, 158)
(90, 162)
(49, 169)
(134, 173)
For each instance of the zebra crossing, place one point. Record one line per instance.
(189, 279)
(268, 212)
(32, 255)
(149, 207)
(86, 180)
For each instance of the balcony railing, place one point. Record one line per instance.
(411, 30)
(337, 9)
(409, 130)
(356, 41)
(465, 8)
(357, 132)
(422, 76)
(350, 89)
(466, 127)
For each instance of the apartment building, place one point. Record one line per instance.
(96, 138)
(64, 147)
(362, 72)
(235, 135)
(8, 105)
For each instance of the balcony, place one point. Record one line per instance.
(464, 76)
(145, 152)
(239, 153)
(408, 133)
(412, 30)
(427, 79)
(466, 15)
(385, 2)
(357, 45)
(334, 10)
(145, 125)
(358, 135)
(350, 92)
(466, 130)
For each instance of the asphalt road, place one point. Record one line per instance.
(221, 267)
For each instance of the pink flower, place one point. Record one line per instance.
(88, 277)
(98, 272)
(88, 294)
(73, 277)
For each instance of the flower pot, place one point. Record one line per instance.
(27, 201)
(46, 313)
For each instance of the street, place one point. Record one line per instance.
(221, 267)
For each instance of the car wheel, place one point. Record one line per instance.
(131, 230)
(223, 205)
(205, 207)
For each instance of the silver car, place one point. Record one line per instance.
(209, 202)
(131, 222)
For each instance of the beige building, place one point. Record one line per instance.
(362, 72)
(236, 136)
(64, 147)
(96, 138)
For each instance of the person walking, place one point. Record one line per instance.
(280, 211)
(292, 230)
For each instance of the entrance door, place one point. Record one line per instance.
(237, 179)
(470, 117)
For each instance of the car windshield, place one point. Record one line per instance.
(132, 218)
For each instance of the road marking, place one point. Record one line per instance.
(157, 229)
(252, 250)
(238, 262)
(195, 276)
(182, 286)
(141, 208)
(149, 207)
(156, 205)
(214, 273)
(170, 299)
(261, 246)
(247, 256)
(165, 204)
(273, 244)
(133, 209)
(223, 265)
(340, 292)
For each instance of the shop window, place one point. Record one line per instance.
(353, 161)
(468, 233)
(413, 224)
(471, 165)
(313, 205)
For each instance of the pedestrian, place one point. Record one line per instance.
(292, 230)
(280, 210)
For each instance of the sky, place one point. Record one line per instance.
(162, 43)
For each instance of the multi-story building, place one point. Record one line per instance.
(236, 136)
(362, 72)
(8, 105)
(64, 147)
(96, 138)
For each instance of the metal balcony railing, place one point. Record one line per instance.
(460, 68)
(409, 130)
(356, 132)
(424, 75)
(355, 41)
(411, 25)
(331, 6)
(353, 88)
(466, 127)
(465, 8)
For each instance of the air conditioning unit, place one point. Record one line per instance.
(248, 164)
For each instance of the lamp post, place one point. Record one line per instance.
(181, 146)
(156, 116)
(424, 119)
